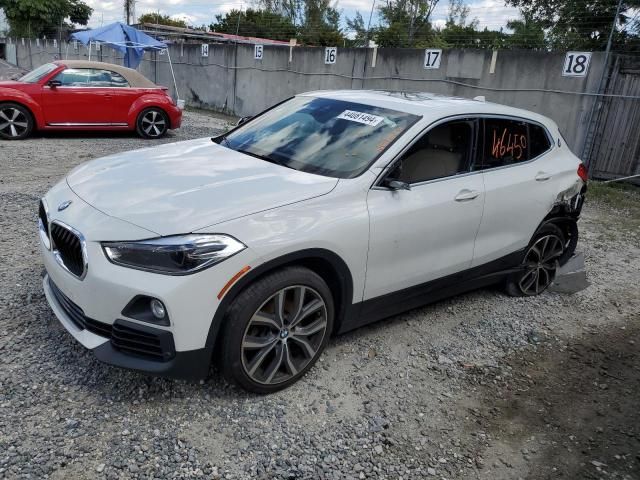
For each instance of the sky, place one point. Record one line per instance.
(490, 13)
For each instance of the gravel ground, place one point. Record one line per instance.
(9, 72)
(482, 386)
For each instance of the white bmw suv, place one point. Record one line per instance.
(329, 211)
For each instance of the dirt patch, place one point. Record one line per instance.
(565, 409)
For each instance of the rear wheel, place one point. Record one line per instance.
(16, 122)
(540, 263)
(152, 123)
(276, 329)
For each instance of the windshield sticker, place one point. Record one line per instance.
(360, 117)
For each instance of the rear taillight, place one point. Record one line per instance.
(582, 172)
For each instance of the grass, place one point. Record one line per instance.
(622, 200)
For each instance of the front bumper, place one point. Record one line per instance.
(175, 117)
(106, 289)
(191, 365)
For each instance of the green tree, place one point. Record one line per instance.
(576, 24)
(459, 13)
(321, 25)
(36, 18)
(356, 25)
(159, 19)
(527, 33)
(292, 9)
(255, 23)
(468, 36)
(406, 23)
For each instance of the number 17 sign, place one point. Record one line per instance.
(432, 58)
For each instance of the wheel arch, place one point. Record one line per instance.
(33, 108)
(565, 217)
(143, 103)
(329, 265)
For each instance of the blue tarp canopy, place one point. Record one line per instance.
(124, 38)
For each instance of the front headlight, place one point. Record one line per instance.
(177, 255)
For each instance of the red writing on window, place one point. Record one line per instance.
(513, 144)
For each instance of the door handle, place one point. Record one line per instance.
(542, 176)
(465, 195)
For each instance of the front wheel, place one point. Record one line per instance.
(16, 122)
(276, 329)
(538, 268)
(152, 123)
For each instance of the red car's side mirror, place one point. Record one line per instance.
(54, 83)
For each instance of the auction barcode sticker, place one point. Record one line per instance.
(360, 117)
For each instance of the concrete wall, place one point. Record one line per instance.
(231, 80)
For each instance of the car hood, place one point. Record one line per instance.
(187, 186)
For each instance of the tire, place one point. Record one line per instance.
(152, 123)
(16, 121)
(263, 352)
(539, 264)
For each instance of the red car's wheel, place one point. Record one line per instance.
(152, 123)
(16, 122)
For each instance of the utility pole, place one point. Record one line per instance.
(366, 40)
(129, 11)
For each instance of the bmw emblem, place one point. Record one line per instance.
(64, 205)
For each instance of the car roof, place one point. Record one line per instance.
(133, 77)
(431, 106)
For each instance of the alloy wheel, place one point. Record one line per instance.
(540, 264)
(153, 123)
(13, 122)
(284, 335)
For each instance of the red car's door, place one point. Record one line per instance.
(81, 98)
(123, 96)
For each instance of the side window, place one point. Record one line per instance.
(118, 80)
(74, 77)
(505, 143)
(84, 77)
(100, 78)
(443, 151)
(538, 141)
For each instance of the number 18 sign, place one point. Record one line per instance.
(576, 64)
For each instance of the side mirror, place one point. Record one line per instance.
(54, 83)
(243, 120)
(397, 185)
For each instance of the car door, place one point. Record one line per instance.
(82, 98)
(427, 232)
(518, 172)
(122, 97)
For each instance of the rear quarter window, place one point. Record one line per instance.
(505, 142)
(538, 141)
(509, 141)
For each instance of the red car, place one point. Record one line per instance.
(79, 95)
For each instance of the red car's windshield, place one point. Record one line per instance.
(36, 75)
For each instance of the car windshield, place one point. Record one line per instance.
(321, 135)
(35, 75)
